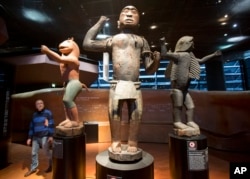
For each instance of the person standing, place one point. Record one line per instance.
(41, 132)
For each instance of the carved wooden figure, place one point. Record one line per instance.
(182, 68)
(127, 49)
(69, 68)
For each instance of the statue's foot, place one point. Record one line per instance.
(180, 125)
(190, 131)
(64, 122)
(132, 146)
(116, 147)
(71, 124)
(193, 125)
(132, 149)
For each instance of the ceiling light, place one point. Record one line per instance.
(225, 35)
(153, 26)
(223, 23)
(35, 15)
(53, 85)
(225, 46)
(102, 36)
(235, 25)
(237, 39)
(106, 24)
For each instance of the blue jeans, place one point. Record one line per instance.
(36, 143)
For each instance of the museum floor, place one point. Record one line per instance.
(20, 160)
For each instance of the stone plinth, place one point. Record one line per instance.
(187, 132)
(125, 156)
(74, 131)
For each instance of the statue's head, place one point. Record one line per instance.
(129, 18)
(69, 47)
(184, 44)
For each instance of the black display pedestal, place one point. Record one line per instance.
(4, 152)
(188, 157)
(107, 169)
(69, 157)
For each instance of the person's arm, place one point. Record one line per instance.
(90, 43)
(51, 126)
(56, 57)
(30, 134)
(208, 57)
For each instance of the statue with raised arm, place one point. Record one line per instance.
(183, 67)
(127, 49)
(69, 68)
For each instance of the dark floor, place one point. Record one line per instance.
(19, 159)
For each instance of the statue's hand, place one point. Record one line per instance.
(162, 41)
(44, 49)
(217, 53)
(157, 55)
(104, 19)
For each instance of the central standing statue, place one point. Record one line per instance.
(127, 50)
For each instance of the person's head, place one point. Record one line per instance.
(39, 105)
(129, 18)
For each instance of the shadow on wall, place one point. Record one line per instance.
(222, 116)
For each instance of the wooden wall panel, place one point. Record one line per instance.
(224, 117)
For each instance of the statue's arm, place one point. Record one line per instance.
(167, 54)
(208, 57)
(90, 43)
(151, 59)
(56, 57)
(51, 54)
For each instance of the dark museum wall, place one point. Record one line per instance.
(6, 78)
(223, 116)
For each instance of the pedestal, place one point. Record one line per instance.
(188, 157)
(4, 152)
(69, 156)
(105, 168)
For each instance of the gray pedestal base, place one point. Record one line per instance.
(105, 168)
(188, 157)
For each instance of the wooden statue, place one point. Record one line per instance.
(182, 68)
(127, 49)
(69, 68)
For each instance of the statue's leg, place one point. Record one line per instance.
(177, 103)
(188, 101)
(71, 91)
(67, 120)
(115, 121)
(135, 108)
(75, 119)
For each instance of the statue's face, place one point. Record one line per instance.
(66, 46)
(69, 46)
(129, 18)
(185, 44)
